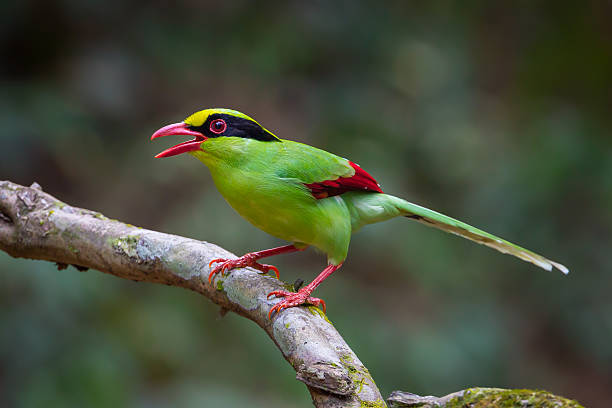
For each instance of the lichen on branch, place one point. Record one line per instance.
(36, 225)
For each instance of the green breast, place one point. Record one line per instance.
(249, 176)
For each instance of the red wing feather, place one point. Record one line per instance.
(360, 181)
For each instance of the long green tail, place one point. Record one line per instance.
(368, 208)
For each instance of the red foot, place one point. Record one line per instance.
(242, 262)
(293, 299)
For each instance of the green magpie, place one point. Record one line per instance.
(303, 195)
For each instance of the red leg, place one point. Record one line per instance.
(302, 296)
(250, 259)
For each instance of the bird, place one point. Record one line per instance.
(303, 195)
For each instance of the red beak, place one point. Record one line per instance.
(179, 129)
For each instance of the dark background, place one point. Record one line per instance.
(497, 113)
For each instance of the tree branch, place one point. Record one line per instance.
(35, 225)
(483, 397)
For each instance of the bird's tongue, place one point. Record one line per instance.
(179, 129)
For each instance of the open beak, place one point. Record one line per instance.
(179, 129)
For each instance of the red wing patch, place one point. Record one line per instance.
(360, 181)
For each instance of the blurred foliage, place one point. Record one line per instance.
(497, 113)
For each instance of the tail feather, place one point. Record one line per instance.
(368, 208)
(448, 224)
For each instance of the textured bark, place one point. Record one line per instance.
(483, 397)
(35, 225)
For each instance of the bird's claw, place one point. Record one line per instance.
(293, 299)
(227, 265)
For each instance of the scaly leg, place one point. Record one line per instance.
(250, 259)
(302, 296)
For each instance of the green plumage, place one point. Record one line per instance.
(265, 182)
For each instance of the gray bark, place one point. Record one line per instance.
(35, 225)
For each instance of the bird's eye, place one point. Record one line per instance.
(218, 126)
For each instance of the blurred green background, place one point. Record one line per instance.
(497, 113)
